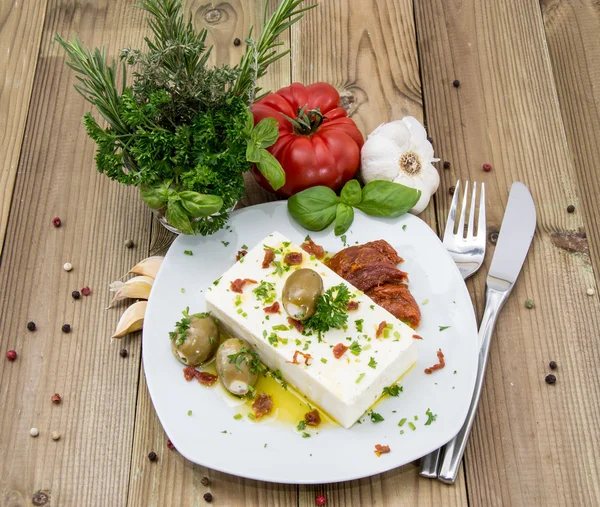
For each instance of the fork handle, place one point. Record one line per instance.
(454, 450)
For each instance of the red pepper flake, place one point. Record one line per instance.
(238, 284)
(310, 247)
(269, 256)
(274, 308)
(437, 366)
(381, 449)
(313, 418)
(307, 357)
(321, 500)
(86, 291)
(487, 167)
(339, 350)
(56, 398)
(352, 305)
(11, 355)
(262, 405)
(56, 222)
(240, 254)
(381, 328)
(417, 337)
(293, 258)
(205, 378)
(170, 444)
(297, 324)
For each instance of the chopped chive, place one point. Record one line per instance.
(402, 421)
(188, 252)
(442, 328)
(323, 360)
(360, 377)
(425, 301)
(189, 412)
(411, 425)
(237, 417)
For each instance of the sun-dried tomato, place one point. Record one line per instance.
(380, 328)
(339, 350)
(269, 256)
(307, 357)
(240, 254)
(238, 284)
(417, 337)
(274, 308)
(381, 449)
(310, 247)
(441, 363)
(352, 305)
(205, 378)
(313, 418)
(297, 324)
(293, 258)
(262, 405)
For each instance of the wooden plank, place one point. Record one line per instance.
(532, 444)
(571, 32)
(173, 480)
(20, 33)
(89, 465)
(371, 58)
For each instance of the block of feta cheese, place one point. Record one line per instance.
(344, 388)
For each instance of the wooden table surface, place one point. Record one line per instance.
(528, 103)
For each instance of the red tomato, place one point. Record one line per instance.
(318, 144)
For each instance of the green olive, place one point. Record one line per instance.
(235, 366)
(201, 342)
(300, 293)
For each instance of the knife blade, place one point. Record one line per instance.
(516, 234)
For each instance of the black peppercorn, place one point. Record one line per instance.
(430, 139)
(75, 294)
(236, 41)
(205, 481)
(553, 365)
(570, 208)
(493, 237)
(66, 328)
(31, 326)
(152, 456)
(446, 164)
(208, 497)
(456, 83)
(550, 379)
(123, 353)
(451, 190)
(129, 243)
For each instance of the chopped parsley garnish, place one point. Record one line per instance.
(189, 412)
(443, 327)
(216, 282)
(404, 227)
(286, 243)
(343, 238)
(237, 417)
(411, 425)
(359, 325)
(250, 358)
(375, 417)
(402, 421)
(372, 363)
(244, 247)
(416, 418)
(305, 435)
(225, 243)
(372, 307)
(182, 327)
(331, 310)
(360, 377)
(273, 340)
(355, 348)
(238, 300)
(188, 252)
(393, 390)
(431, 417)
(280, 269)
(265, 292)
(280, 327)
(323, 360)
(301, 425)
(298, 342)
(182, 290)
(306, 345)
(454, 372)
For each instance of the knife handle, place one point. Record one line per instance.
(454, 450)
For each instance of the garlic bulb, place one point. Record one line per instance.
(399, 151)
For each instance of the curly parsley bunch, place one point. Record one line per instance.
(181, 131)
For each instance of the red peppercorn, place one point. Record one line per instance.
(11, 355)
(56, 398)
(56, 222)
(487, 167)
(170, 444)
(321, 500)
(86, 291)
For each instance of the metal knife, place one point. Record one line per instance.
(516, 233)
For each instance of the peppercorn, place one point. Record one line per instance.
(550, 379)
(570, 208)
(430, 139)
(86, 291)
(170, 444)
(451, 190)
(66, 328)
(321, 500)
(446, 164)
(590, 292)
(553, 365)
(56, 222)
(129, 243)
(529, 304)
(205, 481)
(123, 353)
(493, 237)
(75, 294)
(55, 435)
(487, 167)
(208, 497)
(152, 456)
(34, 432)
(31, 326)
(56, 398)
(456, 83)
(236, 41)
(11, 355)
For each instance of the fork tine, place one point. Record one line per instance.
(471, 226)
(481, 226)
(449, 231)
(461, 223)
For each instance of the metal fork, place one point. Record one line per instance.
(468, 252)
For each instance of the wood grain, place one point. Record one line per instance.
(532, 444)
(173, 480)
(89, 465)
(371, 58)
(571, 31)
(20, 30)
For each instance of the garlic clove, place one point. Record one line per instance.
(132, 289)
(148, 267)
(132, 319)
(118, 284)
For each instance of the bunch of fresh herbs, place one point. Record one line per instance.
(180, 130)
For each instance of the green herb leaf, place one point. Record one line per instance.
(265, 133)
(355, 348)
(178, 218)
(271, 169)
(314, 208)
(387, 199)
(393, 390)
(253, 153)
(351, 194)
(200, 205)
(188, 252)
(155, 196)
(301, 425)
(372, 363)
(402, 421)
(344, 215)
(375, 417)
(305, 435)
(331, 310)
(442, 328)
(430, 417)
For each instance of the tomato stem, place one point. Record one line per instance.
(307, 122)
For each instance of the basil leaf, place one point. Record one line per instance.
(314, 208)
(271, 169)
(178, 218)
(265, 133)
(200, 205)
(249, 126)
(253, 152)
(155, 197)
(344, 215)
(351, 193)
(387, 199)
